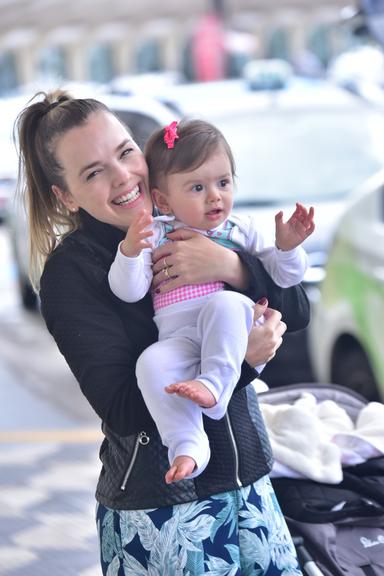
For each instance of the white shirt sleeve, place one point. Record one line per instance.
(131, 278)
(286, 268)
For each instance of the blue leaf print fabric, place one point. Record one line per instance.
(237, 533)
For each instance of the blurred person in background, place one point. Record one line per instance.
(203, 329)
(208, 49)
(84, 179)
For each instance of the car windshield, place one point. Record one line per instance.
(302, 154)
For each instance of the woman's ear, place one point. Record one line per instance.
(161, 200)
(65, 198)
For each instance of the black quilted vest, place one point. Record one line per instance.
(134, 467)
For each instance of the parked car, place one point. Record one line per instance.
(8, 161)
(346, 334)
(309, 141)
(141, 114)
(306, 141)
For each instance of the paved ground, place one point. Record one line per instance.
(48, 471)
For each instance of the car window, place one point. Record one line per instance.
(309, 155)
(140, 125)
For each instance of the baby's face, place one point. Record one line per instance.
(201, 198)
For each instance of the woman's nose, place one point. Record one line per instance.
(120, 175)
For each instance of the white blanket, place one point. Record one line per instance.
(315, 440)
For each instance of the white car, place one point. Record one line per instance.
(346, 334)
(142, 115)
(308, 141)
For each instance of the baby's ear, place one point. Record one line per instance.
(161, 200)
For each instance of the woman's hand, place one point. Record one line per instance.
(192, 258)
(265, 339)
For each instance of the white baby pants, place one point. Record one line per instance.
(204, 339)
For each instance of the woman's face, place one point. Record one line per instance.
(104, 170)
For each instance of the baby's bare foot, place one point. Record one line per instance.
(193, 390)
(182, 467)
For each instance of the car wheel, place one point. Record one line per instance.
(28, 295)
(351, 368)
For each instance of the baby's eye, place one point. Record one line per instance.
(197, 187)
(225, 182)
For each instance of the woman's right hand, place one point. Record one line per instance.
(265, 339)
(192, 258)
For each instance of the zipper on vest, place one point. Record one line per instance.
(142, 439)
(235, 450)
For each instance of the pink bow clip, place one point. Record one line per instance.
(170, 134)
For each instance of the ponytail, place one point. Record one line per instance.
(37, 131)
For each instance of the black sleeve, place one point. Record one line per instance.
(291, 302)
(99, 339)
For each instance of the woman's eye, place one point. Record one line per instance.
(92, 175)
(126, 151)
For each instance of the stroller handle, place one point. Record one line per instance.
(305, 559)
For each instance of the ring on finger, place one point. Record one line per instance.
(165, 263)
(166, 273)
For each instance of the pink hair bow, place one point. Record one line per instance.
(170, 134)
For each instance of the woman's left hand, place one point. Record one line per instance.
(265, 339)
(192, 258)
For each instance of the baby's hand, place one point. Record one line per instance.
(292, 233)
(135, 240)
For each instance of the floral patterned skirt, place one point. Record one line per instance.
(242, 532)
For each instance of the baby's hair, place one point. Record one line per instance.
(197, 141)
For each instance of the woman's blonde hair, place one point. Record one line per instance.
(38, 129)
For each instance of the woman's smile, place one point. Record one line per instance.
(128, 197)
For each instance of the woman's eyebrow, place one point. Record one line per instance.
(98, 162)
(88, 167)
(123, 143)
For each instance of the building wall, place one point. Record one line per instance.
(84, 40)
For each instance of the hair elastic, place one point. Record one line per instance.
(51, 106)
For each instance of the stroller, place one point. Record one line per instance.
(335, 514)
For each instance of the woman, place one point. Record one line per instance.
(84, 180)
